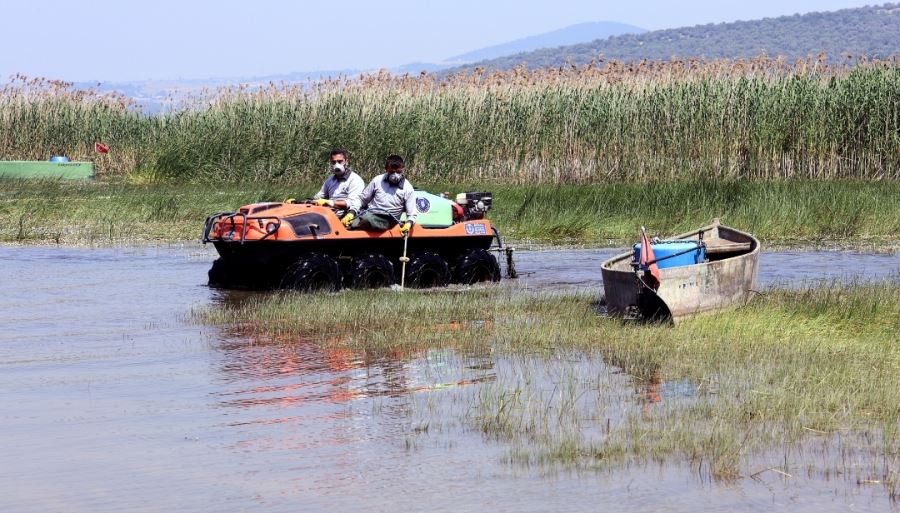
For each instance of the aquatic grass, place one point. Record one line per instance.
(793, 212)
(388, 319)
(792, 375)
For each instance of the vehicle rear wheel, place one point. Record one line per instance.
(313, 272)
(427, 269)
(476, 265)
(371, 272)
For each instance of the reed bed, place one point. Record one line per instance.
(757, 119)
(798, 381)
(857, 214)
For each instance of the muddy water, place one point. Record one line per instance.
(110, 401)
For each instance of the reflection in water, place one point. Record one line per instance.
(311, 370)
(652, 390)
(649, 393)
(289, 371)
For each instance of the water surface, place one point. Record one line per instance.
(580, 269)
(111, 401)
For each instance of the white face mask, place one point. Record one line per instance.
(395, 178)
(338, 169)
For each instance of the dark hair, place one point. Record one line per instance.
(395, 161)
(339, 151)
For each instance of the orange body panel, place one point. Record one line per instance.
(259, 216)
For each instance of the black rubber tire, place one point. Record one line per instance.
(476, 265)
(427, 269)
(223, 275)
(313, 272)
(371, 272)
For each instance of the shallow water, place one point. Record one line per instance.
(580, 269)
(110, 401)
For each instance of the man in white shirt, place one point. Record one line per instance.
(342, 190)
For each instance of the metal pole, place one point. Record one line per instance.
(403, 261)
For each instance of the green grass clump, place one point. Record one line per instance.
(795, 212)
(727, 392)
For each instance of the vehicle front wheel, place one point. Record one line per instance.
(223, 274)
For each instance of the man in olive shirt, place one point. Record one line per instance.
(385, 198)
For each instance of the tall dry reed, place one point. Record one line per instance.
(757, 119)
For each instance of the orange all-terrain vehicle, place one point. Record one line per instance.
(303, 246)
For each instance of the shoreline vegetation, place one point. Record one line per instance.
(756, 119)
(818, 366)
(850, 214)
(801, 153)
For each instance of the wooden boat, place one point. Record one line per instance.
(46, 169)
(726, 277)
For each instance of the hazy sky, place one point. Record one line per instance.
(128, 40)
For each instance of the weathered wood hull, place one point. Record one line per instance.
(727, 278)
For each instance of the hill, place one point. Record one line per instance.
(872, 31)
(151, 94)
(574, 34)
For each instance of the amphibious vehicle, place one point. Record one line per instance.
(305, 247)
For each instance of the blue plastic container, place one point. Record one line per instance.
(691, 252)
(59, 158)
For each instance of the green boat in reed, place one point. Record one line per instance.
(41, 169)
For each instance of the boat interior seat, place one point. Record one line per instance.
(722, 249)
(721, 246)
